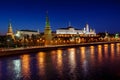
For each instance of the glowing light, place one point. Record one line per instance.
(82, 49)
(105, 45)
(25, 60)
(112, 51)
(59, 61)
(17, 64)
(118, 48)
(41, 63)
(14, 68)
(92, 53)
(18, 35)
(92, 49)
(99, 53)
(83, 60)
(72, 59)
(106, 50)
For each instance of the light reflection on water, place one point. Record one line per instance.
(72, 59)
(106, 50)
(25, 65)
(83, 60)
(118, 48)
(59, 61)
(82, 54)
(41, 63)
(112, 51)
(99, 62)
(92, 54)
(14, 69)
(100, 53)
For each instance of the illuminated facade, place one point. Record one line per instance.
(47, 32)
(72, 31)
(10, 31)
(22, 33)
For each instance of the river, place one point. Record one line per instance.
(99, 62)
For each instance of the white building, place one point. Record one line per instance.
(22, 33)
(71, 30)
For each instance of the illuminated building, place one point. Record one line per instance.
(47, 32)
(23, 33)
(10, 31)
(70, 30)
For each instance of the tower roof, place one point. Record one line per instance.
(10, 28)
(10, 32)
(87, 24)
(69, 24)
(47, 20)
(9, 25)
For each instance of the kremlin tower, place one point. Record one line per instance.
(10, 31)
(47, 31)
(87, 28)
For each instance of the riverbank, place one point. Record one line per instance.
(16, 51)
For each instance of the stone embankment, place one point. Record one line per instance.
(23, 50)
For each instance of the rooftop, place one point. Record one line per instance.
(69, 28)
(29, 30)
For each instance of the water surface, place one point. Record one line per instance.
(99, 62)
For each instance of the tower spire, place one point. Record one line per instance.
(87, 27)
(47, 31)
(10, 27)
(47, 20)
(69, 23)
(10, 31)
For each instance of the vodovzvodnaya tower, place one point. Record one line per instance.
(47, 31)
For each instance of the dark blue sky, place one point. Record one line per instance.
(103, 15)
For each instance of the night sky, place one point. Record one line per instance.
(102, 15)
